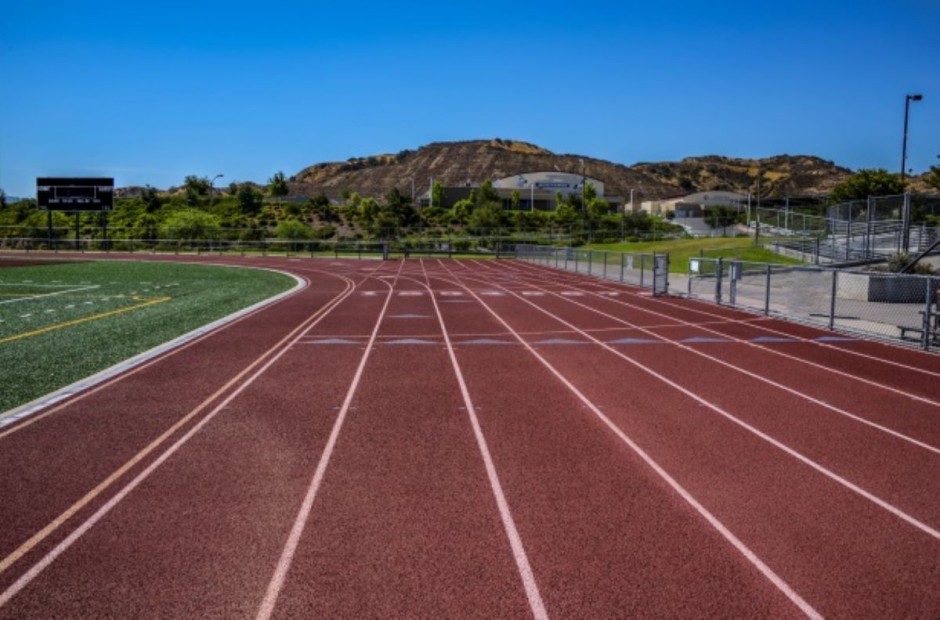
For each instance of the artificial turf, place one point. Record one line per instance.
(60, 323)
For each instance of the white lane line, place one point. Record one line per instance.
(752, 557)
(509, 524)
(753, 430)
(300, 522)
(536, 271)
(756, 344)
(63, 546)
(753, 375)
(32, 297)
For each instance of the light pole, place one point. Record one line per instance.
(211, 190)
(907, 106)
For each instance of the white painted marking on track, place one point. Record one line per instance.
(451, 294)
(782, 585)
(509, 525)
(492, 293)
(533, 293)
(300, 522)
(572, 293)
(410, 293)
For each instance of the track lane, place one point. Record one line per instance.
(404, 523)
(605, 533)
(876, 361)
(656, 421)
(41, 548)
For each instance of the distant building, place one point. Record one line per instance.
(693, 205)
(537, 190)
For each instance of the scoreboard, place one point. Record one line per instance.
(74, 194)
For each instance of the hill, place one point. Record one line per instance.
(458, 163)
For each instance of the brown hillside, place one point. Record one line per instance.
(458, 163)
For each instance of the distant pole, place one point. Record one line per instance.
(211, 189)
(431, 194)
(907, 107)
(531, 196)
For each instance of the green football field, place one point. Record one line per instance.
(63, 322)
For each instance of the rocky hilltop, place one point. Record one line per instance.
(458, 163)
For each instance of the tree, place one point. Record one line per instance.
(933, 178)
(249, 200)
(195, 187)
(514, 199)
(400, 207)
(3, 199)
(437, 194)
(865, 183)
(189, 224)
(485, 217)
(277, 187)
(150, 199)
(721, 216)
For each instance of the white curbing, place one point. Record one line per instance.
(43, 402)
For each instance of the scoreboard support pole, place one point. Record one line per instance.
(49, 228)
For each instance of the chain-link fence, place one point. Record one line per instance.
(887, 305)
(263, 247)
(852, 232)
(636, 269)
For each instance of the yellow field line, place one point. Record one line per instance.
(94, 317)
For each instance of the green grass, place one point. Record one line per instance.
(61, 323)
(681, 250)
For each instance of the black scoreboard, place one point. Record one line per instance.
(74, 194)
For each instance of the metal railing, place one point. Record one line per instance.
(636, 269)
(892, 306)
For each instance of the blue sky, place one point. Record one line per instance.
(149, 93)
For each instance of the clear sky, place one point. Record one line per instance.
(151, 92)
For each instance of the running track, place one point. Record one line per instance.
(483, 439)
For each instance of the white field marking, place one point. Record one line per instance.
(44, 406)
(721, 319)
(410, 293)
(26, 316)
(369, 293)
(491, 293)
(755, 431)
(290, 548)
(31, 297)
(509, 524)
(712, 520)
(573, 293)
(753, 375)
(285, 344)
(533, 293)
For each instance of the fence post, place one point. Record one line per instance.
(928, 298)
(767, 294)
(590, 262)
(832, 300)
(606, 256)
(642, 269)
(622, 257)
(718, 275)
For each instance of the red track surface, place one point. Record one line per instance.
(483, 439)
